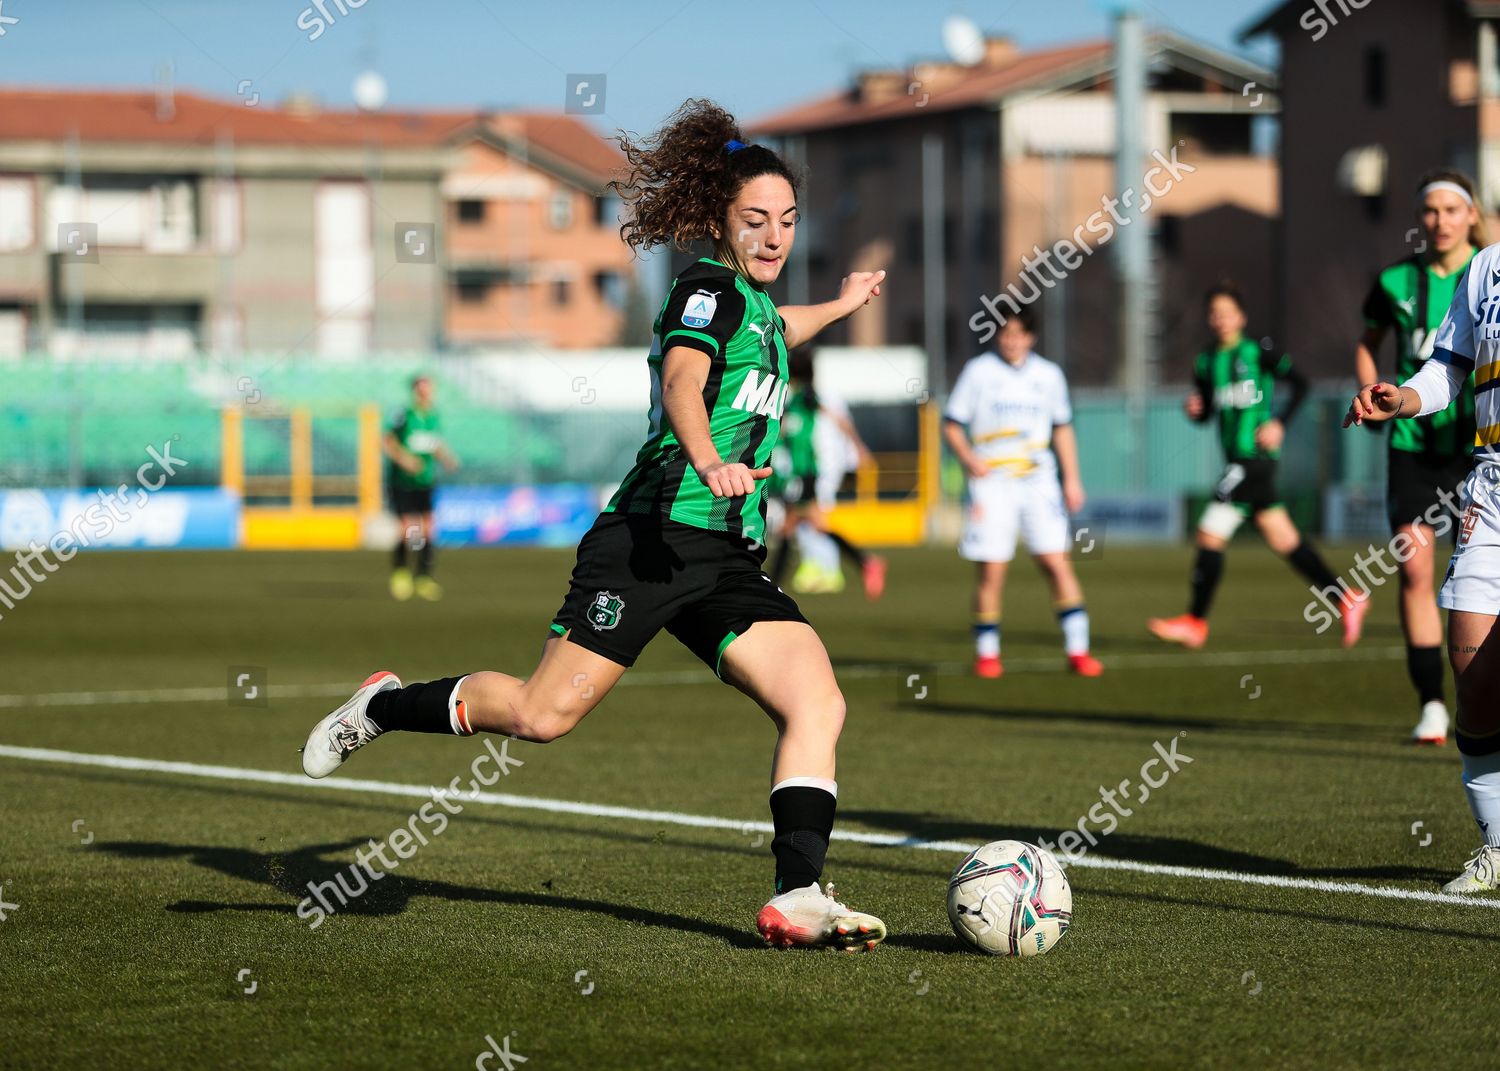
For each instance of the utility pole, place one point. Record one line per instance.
(1133, 242)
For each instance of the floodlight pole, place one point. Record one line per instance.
(934, 265)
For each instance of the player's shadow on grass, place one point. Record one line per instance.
(1344, 731)
(1134, 847)
(290, 873)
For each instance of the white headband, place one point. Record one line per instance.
(1451, 187)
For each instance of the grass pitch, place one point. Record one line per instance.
(154, 919)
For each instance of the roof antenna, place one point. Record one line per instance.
(166, 100)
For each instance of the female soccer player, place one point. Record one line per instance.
(1237, 379)
(414, 445)
(1428, 456)
(680, 545)
(1010, 423)
(1468, 341)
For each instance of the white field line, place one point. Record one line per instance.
(675, 818)
(640, 678)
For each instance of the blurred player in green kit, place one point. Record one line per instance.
(414, 446)
(1429, 457)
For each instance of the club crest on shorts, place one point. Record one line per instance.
(604, 612)
(700, 309)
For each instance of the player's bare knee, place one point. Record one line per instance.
(540, 719)
(823, 713)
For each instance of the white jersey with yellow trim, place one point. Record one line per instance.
(1010, 411)
(1469, 342)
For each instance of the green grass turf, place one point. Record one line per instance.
(125, 951)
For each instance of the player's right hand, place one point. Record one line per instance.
(731, 480)
(1194, 406)
(1377, 402)
(977, 468)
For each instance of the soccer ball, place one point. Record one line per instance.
(1010, 898)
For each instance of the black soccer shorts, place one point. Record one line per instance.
(411, 501)
(1249, 484)
(640, 573)
(1414, 486)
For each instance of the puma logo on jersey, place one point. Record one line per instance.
(760, 332)
(762, 395)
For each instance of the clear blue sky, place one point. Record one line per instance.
(754, 57)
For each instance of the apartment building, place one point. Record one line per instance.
(1374, 95)
(161, 223)
(1025, 143)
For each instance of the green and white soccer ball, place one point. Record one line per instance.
(1010, 898)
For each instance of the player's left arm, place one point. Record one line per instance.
(447, 458)
(1271, 434)
(804, 322)
(1065, 446)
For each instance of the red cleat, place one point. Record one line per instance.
(988, 667)
(1355, 607)
(1190, 631)
(874, 576)
(1085, 665)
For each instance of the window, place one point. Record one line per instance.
(17, 218)
(471, 211)
(560, 292)
(132, 212)
(1375, 76)
(227, 222)
(12, 331)
(611, 288)
(472, 291)
(560, 210)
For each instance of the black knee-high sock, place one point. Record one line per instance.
(848, 549)
(417, 708)
(1425, 667)
(424, 558)
(1307, 561)
(399, 556)
(1208, 570)
(783, 557)
(803, 818)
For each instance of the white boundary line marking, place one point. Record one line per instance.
(639, 678)
(595, 810)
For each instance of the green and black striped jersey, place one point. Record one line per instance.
(799, 424)
(420, 432)
(1393, 305)
(711, 308)
(1237, 383)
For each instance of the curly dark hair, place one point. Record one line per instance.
(682, 179)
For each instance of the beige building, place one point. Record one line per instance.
(1374, 96)
(533, 252)
(1027, 142)
(164, 223)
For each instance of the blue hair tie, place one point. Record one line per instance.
(734, 145)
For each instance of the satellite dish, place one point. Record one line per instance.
(370, 92)
(963, 41)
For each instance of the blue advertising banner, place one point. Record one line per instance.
(133, 517)
(555, 515)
